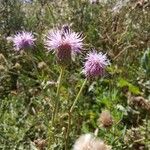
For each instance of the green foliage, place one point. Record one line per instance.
(133, 89)
(28, 89)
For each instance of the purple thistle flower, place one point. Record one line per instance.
(95, 64)
(64, 42)
(57, 39)
(23, 40)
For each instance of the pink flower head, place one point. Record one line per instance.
(95, 64)
(65, 42)
(57, 39)
(23, 40)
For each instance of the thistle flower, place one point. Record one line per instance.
(23, 40)
(64, 42)
(105, 119)
(95, 64)
(89, 142)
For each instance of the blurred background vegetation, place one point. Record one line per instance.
(119, 28)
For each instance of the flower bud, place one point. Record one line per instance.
(105, 119)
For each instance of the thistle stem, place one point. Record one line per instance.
(57, 94)
(78, 95)
(70, 113)
(68, 130)
(59, 82)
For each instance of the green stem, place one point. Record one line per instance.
(78, 95)
(54, 115)
(68, 130)
(70, 113)
(57, 94)
(59, 82)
